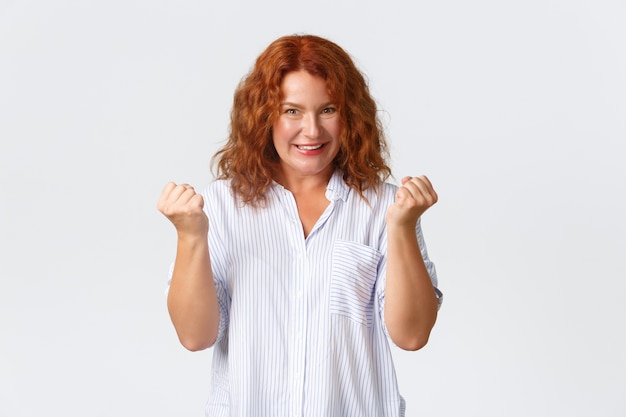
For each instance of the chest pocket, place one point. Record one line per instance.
(354, 272)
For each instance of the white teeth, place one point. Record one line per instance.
(309, 148)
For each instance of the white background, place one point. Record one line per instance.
(515, 109)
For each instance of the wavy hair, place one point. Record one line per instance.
(249, 158)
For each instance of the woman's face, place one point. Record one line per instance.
(306, 134)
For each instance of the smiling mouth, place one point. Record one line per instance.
(309, 147)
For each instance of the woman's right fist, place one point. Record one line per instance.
(183, 207)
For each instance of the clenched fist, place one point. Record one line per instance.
(183, 207)
(413, 198)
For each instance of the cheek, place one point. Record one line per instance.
(335, 130)
(281, 130)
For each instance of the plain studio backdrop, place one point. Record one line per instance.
(516, 111)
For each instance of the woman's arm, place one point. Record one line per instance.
(410, 300)
(191, 301)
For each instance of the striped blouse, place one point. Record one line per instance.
(301, 329)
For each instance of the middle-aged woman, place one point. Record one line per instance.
(300, 261)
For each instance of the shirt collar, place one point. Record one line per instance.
(337, 188)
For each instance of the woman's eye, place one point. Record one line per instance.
(329, 110)
(291, 111)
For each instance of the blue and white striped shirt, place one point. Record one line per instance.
(301, 328)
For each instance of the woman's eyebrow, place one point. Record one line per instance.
(292, 104)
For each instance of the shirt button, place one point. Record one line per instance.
(299, 294)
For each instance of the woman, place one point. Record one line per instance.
(312, 261)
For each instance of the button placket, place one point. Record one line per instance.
(298, 308)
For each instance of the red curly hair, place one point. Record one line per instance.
(249, 158)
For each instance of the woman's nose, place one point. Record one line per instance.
(311, 126)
